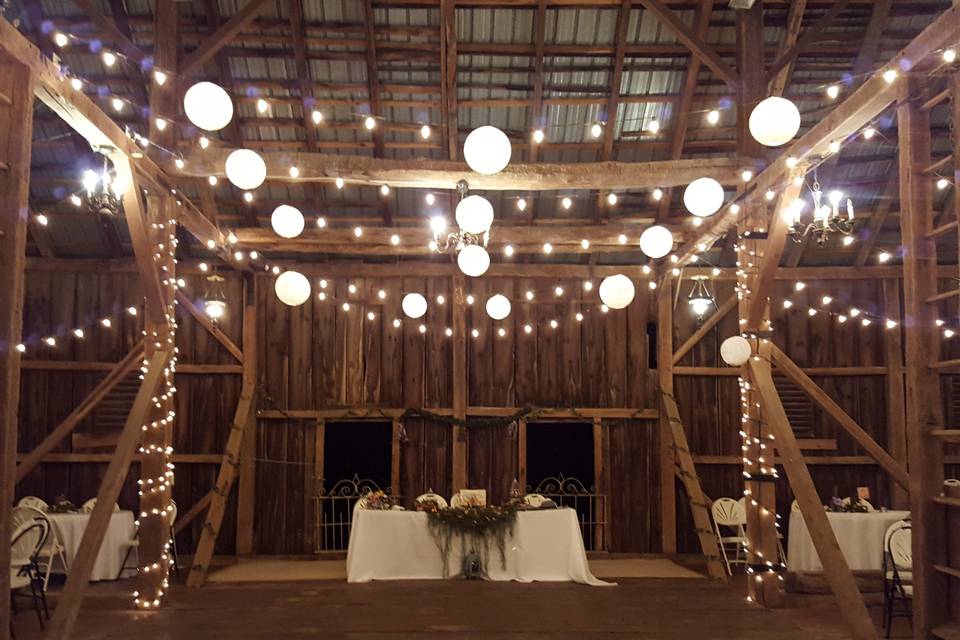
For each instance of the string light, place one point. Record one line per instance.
(538, 136)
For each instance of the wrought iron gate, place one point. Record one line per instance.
(333, 512)
(591, 507)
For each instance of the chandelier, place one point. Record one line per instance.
(827, 217)
(104, 192)
(215, 302)
(474, 217)
(700, 298)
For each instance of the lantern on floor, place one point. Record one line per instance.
(774, 121)
(700, 299)
(735, 351)
(215, 302)
(208, 106)
(487, 150)
(656, 241)
(414, 305)
(245, 169)
(473, 260)
(617, 291)
(475, 214)
(292, 288)
(287, 221)
(703, 197)
(498, 307)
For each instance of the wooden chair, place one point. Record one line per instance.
(897, 573)
(730, 513)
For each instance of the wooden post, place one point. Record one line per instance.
(459, 382)
(668, 483)
(600, 482)
(68, 606)
(896, 418)
(522, 454)
(16, 115)
(246, 494)
(922, 347)
(835, 567)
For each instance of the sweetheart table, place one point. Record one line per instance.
(545, 546)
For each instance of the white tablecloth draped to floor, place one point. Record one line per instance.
(546, 546)
(121, 529)
(860, 536)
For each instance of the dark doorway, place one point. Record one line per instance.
(356, 461)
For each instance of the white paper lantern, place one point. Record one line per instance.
(656, 241)
(414, 305)
(774, 121)
(703, 197)
(292, 288)
(487, 150)
(498, 307)
(473, 260)
(617, 291)
(735, 350)
(287, 221)
(208, 106)
(246, 169)
(475, 214)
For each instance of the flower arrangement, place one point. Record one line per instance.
(476, 527)
(378, 501)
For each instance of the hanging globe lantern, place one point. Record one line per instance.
(774, 121)
(473, 260)
(287, 221)
(208, 106)
(292, 288)
(656, 242)
(414, 305)
(735, 350)
(246, 169)
(215, 302)
(498, 307)
(487, 150)
(703, 197)
(475, 214)
(617, 291)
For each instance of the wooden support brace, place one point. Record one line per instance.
(198, 508)
(705, 328)
(207, 324)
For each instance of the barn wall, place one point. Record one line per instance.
(318, 357)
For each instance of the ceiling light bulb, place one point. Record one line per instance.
(746, 175)
(41, 219)
(890, 75)
(579, 317)
(883, 256)
(316, 116)
(596, 130)
(657, 194)
(430, 198)
(369, 123)
(949, 55)
(547, 248)
(339, 183)
(558, 291)
(109, 58)
(833, 91)
(587, 285)
(394, 239)
(868, 133)
(508, 250)
(425, 132)
(942, 183)
(538, 136)
(585, 244)
(60, 39)
(262, 105)
(77, 84)
(438, 224)
(622, 238)
(713, 116)
(848, 240)
(357, 232)
(117, 104)
(475, 333)
(653, 126)
(294, 172)
(384, 190)
(321, 222)
(204, 142)
(527, 328)
(566, 202)
(528, 295)
(522, 204)
(247, 196)
(834, 146)
(612, 199)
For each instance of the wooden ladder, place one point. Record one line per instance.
(691, 483)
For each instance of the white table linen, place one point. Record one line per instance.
(546, 546)
(70, 527)
(860, 536)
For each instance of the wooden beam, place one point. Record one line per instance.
(246, 488)
(448, 78)
(896, 417)
(184, 301)
(119, 371)
(459, 382)
(792, 30)
(838, 573)
(705, 328)
(444, 174)
(825, 402)
(109, 28)
(616, 77)
(16, 132)
(373, 76)
(870, 48)
(536, 106)
(668, 483)
(68, 606)
(199, 56)
(921, 348)
(692, 41)
(888, 196)
(811, 35)
(198, 507)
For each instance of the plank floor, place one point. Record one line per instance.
(661, 609)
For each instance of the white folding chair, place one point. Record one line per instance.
(34, 502)
(430, 496)
(53, 548)
(730, 513)
(534, 500)
(457, 501)
(92, 502)
(897, 572)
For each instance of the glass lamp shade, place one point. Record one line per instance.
(735, 351)
(292, 287)
(774, 121)
(487, 150)
(656, 242)
(287, 221)
(246, 169)
(208, 106)
(215, 309)
(414, 305)
(473, 260)
(617, 291)
(475, 214)
(703, 197)
(498, 307)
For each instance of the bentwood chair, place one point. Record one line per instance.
(92, 502)
(534, 500)
(33, 502)
(430, 496)
(53, 549)
(457, 501)
(730, 513)
(897, 573)
(28, 539)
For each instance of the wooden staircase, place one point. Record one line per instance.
(796, 402)
(109, 417)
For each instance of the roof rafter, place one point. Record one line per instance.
(199, 56)
(794, 22)
(812, 33)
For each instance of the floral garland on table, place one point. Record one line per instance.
(476, 527)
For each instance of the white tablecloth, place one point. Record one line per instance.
(860, 536)
(70, 527)
(546, 546)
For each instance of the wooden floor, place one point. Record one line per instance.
(662, 609)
